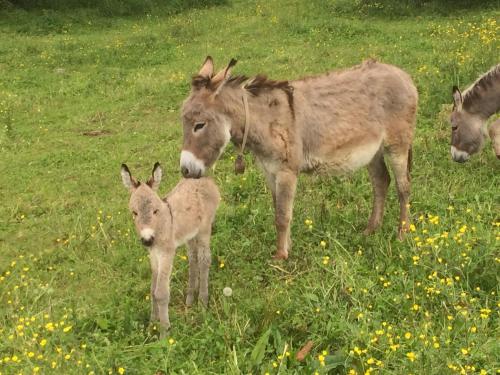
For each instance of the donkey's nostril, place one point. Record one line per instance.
(184, 171)
(147, 242)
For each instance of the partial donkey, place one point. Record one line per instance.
(185, 215)
(471, 110)
(494, 132)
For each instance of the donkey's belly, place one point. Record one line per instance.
(342, 160)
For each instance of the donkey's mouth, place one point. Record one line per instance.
(187, 173)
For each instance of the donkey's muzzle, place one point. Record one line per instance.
(147, 242)
(191, 166)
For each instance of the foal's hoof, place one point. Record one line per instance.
(189, 300)
(281, 255)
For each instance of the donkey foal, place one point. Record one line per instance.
(185, 215)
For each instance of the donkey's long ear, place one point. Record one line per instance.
(155, 179)
(129, 182)
(207, 69)
(457, 98)
(222, 77)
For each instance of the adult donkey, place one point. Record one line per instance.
(470, 112)
(335, 122)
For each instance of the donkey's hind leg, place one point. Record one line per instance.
(400, 164)
(380, 180)
(194, 273)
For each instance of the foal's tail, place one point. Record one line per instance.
(408, 165)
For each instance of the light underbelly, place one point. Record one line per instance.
(343, 160)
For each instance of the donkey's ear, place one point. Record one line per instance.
(127, 179)
(224, 73)
(155, 179)
(207, 69)
(457, 98)
(222, 77)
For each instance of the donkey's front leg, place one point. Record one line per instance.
(286, 183)
(162, 291)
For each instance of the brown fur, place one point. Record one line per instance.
(335, 123)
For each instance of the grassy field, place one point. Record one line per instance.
(83, 91)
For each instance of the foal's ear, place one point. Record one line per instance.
(222, 77)
(457, 98)
(127, 179)
(207, 69)
(154, 180)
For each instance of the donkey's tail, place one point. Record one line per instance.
(410, 159)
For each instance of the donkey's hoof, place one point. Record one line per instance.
(281, 255)
(368, 231)
(402, 233)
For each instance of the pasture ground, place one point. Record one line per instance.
(82, 91)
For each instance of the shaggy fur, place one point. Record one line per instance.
(331, 123)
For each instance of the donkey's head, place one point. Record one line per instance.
(206, 125)
(466, 130)
(147, 209)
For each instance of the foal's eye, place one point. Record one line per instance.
(155, 212)
(454, 127)
(134, 213)
(198, 126)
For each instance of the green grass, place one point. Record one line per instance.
(69, 256)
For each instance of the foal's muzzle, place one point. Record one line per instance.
(147, 241)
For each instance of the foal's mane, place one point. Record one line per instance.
(474, 92)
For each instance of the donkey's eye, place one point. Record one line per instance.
(134, 213)
(454, 127)
(155, 211)
(198, 126)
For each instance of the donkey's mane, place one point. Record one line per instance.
(474, 92)
(256, 85)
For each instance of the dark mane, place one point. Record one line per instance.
(476, 90)
(261, 83)
(255, 86)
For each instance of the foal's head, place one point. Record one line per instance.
(206, 126)
(467, 136)
(148, 210)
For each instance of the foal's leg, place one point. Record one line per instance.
(204, 261)
(399, 164)
(286, 183)
(162, 291)
(194, 272)
(154, 275)
(380, 180)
